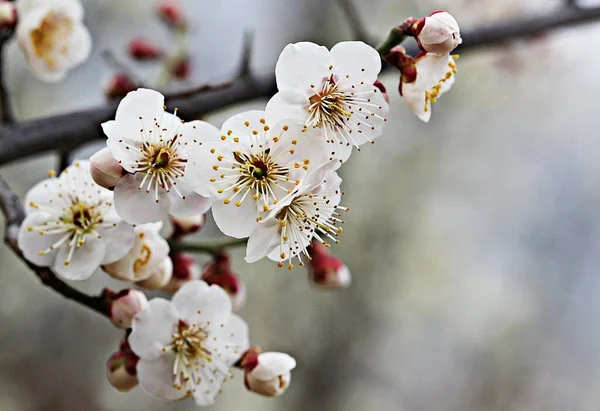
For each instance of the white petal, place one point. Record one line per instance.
(32, 242)
(118, 241)
(191, 204)
(430, 69)
(231, 341)
(145, 103)
(236, 221)
(357, 60)
(208, 389)
(310, 149)
(156, 377)
(85, 261)
(445, 18)
(201, 304)
(80, 46)
(263, 240)
(199, 132)
(138, 206)
(242, 124)
(301, 65)
(415, 100)
(199, 169)
(369, 127)
(152, 329)
(271, 364)
(43, 194)
(287, 104)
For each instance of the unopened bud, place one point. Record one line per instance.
(231, 283)
(171, 13)
(119, 370)
(124, 305)
(160, 276)
(143, 49)
(180, 67)
(185, 269)
(383, 90)
(183, 226)
(8, 14)
(439, 33)
(326, 270)
(268, 373)
(105, 169)
(119, 85)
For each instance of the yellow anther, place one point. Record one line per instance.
(223, 137)
(247, 124)
(215, 167)
(51, 173)
(226, 201)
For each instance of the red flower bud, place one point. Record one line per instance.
(181, 67)
(143, 49)
(171, 13)
(185, 269)
(183, 226)
(218, 271)
(326, 270)
(119, 85)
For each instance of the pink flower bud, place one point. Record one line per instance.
(119, 85)
(439, 33)
(185, 269)
(383, 90)
(171, 13)
(269, 373)
(119, 371)
(181, 67)
(105, 169)
(143, 49)
(183, 226)
(326, 270)
(8, 14)
(124, 305)
(218, 271)
(160, 277)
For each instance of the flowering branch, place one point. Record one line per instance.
(14, 215)
(209, 246)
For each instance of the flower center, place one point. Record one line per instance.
(328, 106)
(82, 217)
(188, 344)
(50, 38)
(162, 164)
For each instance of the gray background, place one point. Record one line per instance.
(474, 241)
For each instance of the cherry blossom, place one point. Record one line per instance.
(153, 147)
(268, 374)
(148, 252)
(439, 33)
(331, 91)
(309, 212)
(250, 166)
(187, 346)
(72, 226)
(53, 37)
(434, 77)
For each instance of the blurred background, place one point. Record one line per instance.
(474, 241)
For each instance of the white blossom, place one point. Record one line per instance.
(153, 147)
(72, 226)
(331, 91)
(435, 76)
(148, 252)
(52, 36)
(309, 212)
(439, 33)
(250, 166)
(187, 346)
(270, 375)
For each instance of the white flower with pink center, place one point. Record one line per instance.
(72, 226)
(153, 146)
(250, 166)
(53, 37)
(331, 91)
(188, 345)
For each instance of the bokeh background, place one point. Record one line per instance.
(474, 241)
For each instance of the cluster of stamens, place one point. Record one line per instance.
(432, 94)
(50, 37)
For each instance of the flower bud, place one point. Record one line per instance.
(269, 373)
(160, 277)
(185, 269)
(180, 67)
(183, 226)
(383, 90)
(142, 49)
(439, 33)
(119, 370)
(8, 14)
(119, 85)
(125, 305)
(171, 13)
(326, 270)
(105, 169)
(218, 271)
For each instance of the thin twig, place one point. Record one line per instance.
(208, 246)
(7, 115)
(359, 31)
(64, 159)
(111, 60)
(14, 214)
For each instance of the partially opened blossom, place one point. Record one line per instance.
(251, 166)
(124, 305)
(106, 171)
(160, 276)
(53, 37)
(434, 77)
(439, 33)
(326, 270)
(153, 146)
(121, 367)
(332, 92)
(148, 252)
(71, 225)
(268, 374)
(188, 345)
(309, 212)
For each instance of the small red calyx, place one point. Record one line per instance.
(417, 27)
(171, 13)
(181, 68)
(142, 49)
(119, 85)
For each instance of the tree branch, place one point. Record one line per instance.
(357, 26)
(7, 115)
(208, 246)
(14, 215)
